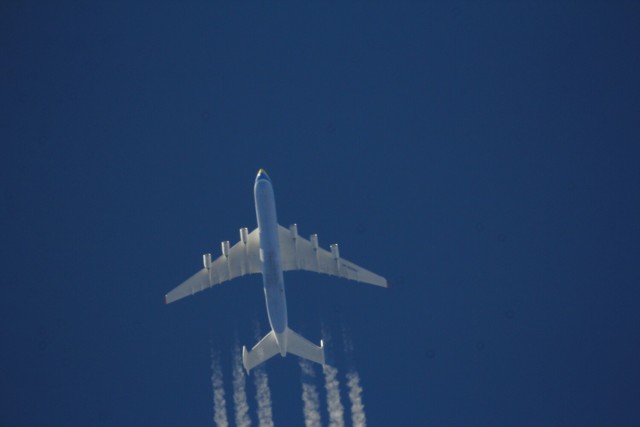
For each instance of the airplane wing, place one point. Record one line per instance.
(241, 259)
(298, 253)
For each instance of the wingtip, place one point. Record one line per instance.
(244, 359)
(165, 300)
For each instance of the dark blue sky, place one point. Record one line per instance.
(484, 158)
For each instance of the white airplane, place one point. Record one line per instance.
(271, 249)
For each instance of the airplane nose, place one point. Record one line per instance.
(262, 174)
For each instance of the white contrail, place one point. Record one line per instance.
(358, 418)
(332, 386)
(219, 402)
(263, 393)
(263, 397)
(334, 405)
(239, 392)
(310, 397)
(347, 343)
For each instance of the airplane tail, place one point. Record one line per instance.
(270, 345)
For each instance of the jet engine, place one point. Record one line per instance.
(335, 251)
(206, 260)
(244, 235)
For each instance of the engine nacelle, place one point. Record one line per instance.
(294, 230)
(244, 235)
(206, 261)
(335, 251)
(314, 241)
(225, 248)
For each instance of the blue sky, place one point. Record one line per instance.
(484, 158)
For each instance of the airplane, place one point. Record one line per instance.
(271, 249)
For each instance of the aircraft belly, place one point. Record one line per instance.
(270, 249)
(276, 307)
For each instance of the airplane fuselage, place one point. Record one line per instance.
(272, 276)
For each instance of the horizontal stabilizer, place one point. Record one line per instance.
(304, 348)
(294, 344)
(264, 350)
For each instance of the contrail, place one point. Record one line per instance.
(310, 397)
(263, 397)
(332, 385)
(358, 418)
(239, 392)
(263, 393)
(347, 344)
(219, 402)
(334, 405)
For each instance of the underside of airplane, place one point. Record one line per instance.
(271, 249)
